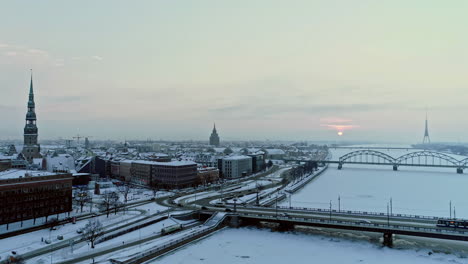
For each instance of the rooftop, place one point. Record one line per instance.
(238, 157)
(170, 163)
(15, 174)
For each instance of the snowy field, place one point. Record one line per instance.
(260, 246)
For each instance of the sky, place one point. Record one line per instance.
(260, 69)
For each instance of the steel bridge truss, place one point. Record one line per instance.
(420, 158)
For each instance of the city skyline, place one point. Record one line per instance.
(164, 71)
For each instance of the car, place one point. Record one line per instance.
(228, 210)
(204, 208)
(79, 231)
(284, 214)
(363, 221)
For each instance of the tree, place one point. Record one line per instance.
(125, 190)
(81, 197)
(227, 151)
(15, 259)
(109, 201)
(269, 164)
(53, 222)
(155, 189)
(92, 231)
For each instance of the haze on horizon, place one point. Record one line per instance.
(260, 69)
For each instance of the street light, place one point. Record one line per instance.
(277, 192)
(339, 204)
(235, 200)
(330, 210)
(388, 214)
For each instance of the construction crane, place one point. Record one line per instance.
(78, 137)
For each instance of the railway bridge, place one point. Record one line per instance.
(421, 158)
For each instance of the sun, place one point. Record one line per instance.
(340, 133)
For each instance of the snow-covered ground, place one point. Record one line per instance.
(246, 245)
(31, 241)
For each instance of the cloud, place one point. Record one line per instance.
(3, 45)
(98, 58)
(38, 52)
(10, 53)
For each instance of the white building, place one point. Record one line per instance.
(235, 166)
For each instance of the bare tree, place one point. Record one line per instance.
(110, 200)
(15, 259)
(125, 190)
(53, 222)
(81, 197)
(92, 231)
(155, 189)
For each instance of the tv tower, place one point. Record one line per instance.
(426, 139)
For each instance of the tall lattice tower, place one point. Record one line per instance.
(426, 139)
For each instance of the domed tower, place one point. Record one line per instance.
(31, 149)
(214, 138)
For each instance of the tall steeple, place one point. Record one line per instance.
(31, 148)
(426, 139)
(214, 138)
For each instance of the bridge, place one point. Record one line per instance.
(422, 158)
(286, 218)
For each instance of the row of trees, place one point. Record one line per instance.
(298, 173)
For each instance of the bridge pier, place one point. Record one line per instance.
(234, 221)
(395, 167)
(388, 239)
(340, 166)
(283, 226)
(460, 170)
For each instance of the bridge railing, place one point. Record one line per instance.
(352, 212)
(383, 227)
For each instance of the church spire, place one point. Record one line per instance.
(31, 149)
(214, 138)
(31, 90)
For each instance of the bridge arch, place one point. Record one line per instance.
(463, 163)
(430, 158)
(367, 156)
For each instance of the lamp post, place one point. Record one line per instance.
(276, 201)
(235, 200)
(330, 210)
(391, 206)
(339, 204)
(388, 214)
(450, 208)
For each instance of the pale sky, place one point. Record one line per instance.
(267, 69)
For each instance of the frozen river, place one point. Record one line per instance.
(415, 190)
(261, 246)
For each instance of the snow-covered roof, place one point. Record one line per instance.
(275, 151)
(237, 157)
(170, 163)
(60, 162)
(15, 173)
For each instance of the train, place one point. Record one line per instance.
(171, 229)
(452, 223)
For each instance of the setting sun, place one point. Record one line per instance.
(340, 133)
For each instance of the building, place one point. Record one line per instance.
(214, 138)
(258, 161)
(174, 174)
(170, 175)
(207, 175)
(141, 172)
(31, 149)
(236, 166)
(31, 194)
(275, 154)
